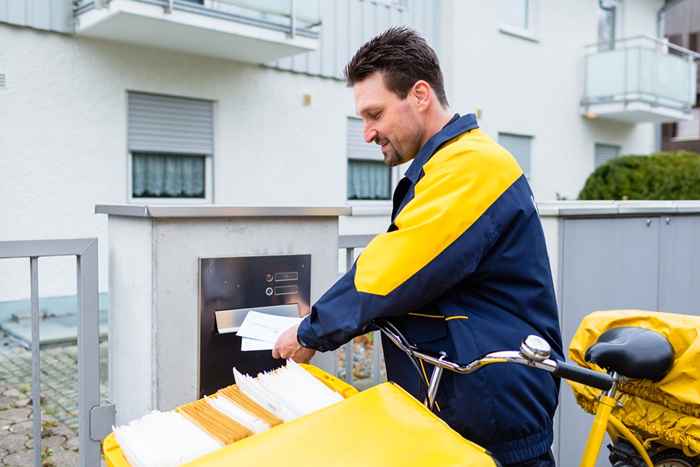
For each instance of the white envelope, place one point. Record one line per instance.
(264, 327)
(248, 345)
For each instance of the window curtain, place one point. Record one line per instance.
(168, 176)
(369, 180)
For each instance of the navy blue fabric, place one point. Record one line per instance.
(496, 274)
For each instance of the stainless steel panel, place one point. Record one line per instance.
(242, 284)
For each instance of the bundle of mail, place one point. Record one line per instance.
(253, 405)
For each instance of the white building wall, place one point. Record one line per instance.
(534, 87)
(640, 17)
(63, 121)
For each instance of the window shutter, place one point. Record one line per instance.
(357, 148)
(168, 124)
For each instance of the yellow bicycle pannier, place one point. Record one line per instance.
(668, 411)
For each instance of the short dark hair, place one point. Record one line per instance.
(403, 57)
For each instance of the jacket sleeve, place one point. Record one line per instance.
(441, 236)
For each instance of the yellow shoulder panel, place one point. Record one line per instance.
(461, 181)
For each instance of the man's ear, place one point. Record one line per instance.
(421, 92)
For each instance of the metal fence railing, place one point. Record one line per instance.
(95, 421)
(351, 244)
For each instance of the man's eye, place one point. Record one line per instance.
(376, 116)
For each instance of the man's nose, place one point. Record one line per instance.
(370, 135)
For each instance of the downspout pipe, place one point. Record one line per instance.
(601, 4)
(610, 9)
(660, 33)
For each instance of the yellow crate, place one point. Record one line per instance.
(383, 426)
(114, 457)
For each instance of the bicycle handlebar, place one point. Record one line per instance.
(528, 356)
(585, 376)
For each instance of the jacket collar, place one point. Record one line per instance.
(455, 127)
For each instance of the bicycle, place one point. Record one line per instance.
(646, 354)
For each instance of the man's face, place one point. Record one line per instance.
(389, 121)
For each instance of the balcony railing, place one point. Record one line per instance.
(248, 30)
(640, 79)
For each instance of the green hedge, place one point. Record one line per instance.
(664, 175)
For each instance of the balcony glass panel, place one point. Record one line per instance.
(306, 12)
(642, 70)
(252, 31)
(276, 14)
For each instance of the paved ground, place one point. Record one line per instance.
(59, 376)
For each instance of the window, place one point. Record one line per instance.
(521, 148)
(605, 152)
(170, 142)
(368, 180)
(607, 18)
(158, 175)
(368, 177)
(518, 18)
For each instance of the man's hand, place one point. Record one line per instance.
(287, 346)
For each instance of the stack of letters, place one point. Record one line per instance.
(251, 406)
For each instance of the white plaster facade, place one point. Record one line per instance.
(63, 125)
(533, 87)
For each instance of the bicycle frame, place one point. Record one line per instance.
(535, 354)
(602, 422)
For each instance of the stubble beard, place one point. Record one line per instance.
(392, 157)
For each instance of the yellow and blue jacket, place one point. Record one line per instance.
(463, 269)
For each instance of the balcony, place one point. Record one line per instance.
(254, 31)
(640, 79)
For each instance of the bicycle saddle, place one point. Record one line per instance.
(632, 352)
